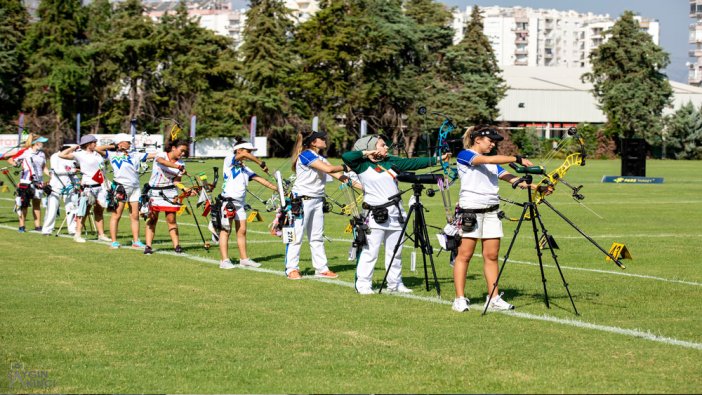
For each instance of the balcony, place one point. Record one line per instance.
(521, 51)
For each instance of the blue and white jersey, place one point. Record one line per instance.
(478, 182)
(309, 181)
(236, 178)
(125, 166)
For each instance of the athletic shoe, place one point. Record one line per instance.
(138, 244)
(226, 264)
(249, 263)
(461, 304)
(367, 290)
(401, 288)
(115, 245)
(21, 229)
(498, 304)
(148, 250)
(104, 238)
(327, 274)
(78, 239)
(294, 275)
(37, 228)
(178, 249)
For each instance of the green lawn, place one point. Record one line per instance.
(91, 319)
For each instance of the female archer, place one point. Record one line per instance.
(376, 172)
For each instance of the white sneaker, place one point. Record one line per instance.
(78, 239)
(104, 238)
(401, 288)
(249, 263)
(226, 264)
(461, 304)
(365, 290)
(498, 304)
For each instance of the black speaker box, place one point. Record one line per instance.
(634, 157)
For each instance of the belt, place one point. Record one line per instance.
(163, 188)
(479, 210)
(89, 185)
(310, 197)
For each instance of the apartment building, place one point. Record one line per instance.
(540, 37)
(694, 76)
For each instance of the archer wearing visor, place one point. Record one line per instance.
(313, 172)
(478, 204)
(231, 204)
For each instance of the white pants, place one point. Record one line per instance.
(52, 206)
(369, 256)
(312, 224)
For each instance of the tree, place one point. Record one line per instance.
(684, 132)
(267, 64)
(14, 19)
(434, 35)
(470, 77)
(56, 74)
(627, 80)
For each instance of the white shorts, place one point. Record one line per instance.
(133, 193)
(488, 226)
(239, 214)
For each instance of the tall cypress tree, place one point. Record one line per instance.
(471, 77)
(628, 82)
(434, 35)
(14, 19)
(56, 77)
(267, 63)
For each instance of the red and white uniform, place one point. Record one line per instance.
(163, 190)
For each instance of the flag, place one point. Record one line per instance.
(98, 177)
(202, 198)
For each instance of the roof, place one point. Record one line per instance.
(557, 94)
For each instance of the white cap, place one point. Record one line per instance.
(247, 146)
(122, 137)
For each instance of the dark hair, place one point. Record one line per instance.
(175, 143)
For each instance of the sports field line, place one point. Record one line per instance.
(545, 318)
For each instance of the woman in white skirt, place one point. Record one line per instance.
(30, 189)
(91, 160)
(163, 193)
(478, 204)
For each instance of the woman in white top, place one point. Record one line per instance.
(233, 201)
(478, 203)
(91, 161)
(374, 166)
(168, 169)
(125, 186)
(61, 182)
(312, 171)
(31, 183)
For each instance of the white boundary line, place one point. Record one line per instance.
(544, 318)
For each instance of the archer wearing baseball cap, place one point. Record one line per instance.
(478, 204)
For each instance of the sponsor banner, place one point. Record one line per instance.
(632, 180)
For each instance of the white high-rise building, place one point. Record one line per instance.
(539, 37)
(694, 76)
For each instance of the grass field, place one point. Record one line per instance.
(84, 318)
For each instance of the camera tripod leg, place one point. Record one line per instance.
(422, 239)
(534, 214)
(525, 207)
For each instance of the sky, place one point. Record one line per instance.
(673, 16)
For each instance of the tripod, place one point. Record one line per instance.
(421, 238)
(533, 210)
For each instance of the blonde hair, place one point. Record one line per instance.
(467, 143)
(297, 149)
